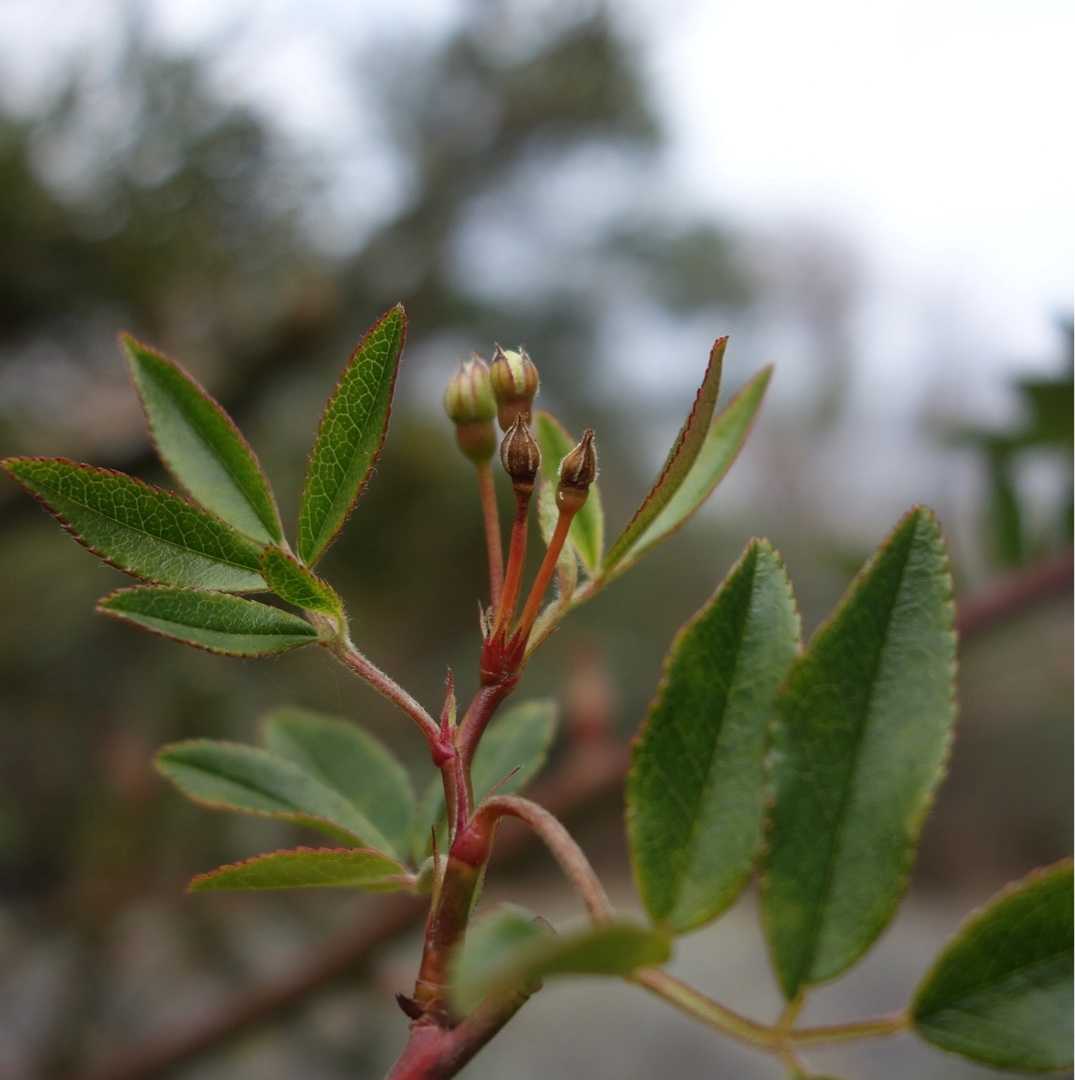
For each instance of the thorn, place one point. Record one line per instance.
(410, 1007)
(448, 712)
(503, 780)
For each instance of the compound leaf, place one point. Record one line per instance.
(1000, 992)
(350, 761)
(245, 779)
(213, 621)
(351, 434)
(864, 724)
(306, 868)
(142, 530)
(696, 788)
(201, 445)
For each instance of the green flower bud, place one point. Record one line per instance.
(578, 471)
(469, 403)
(520, 456)
(515, 384)
(469, 395)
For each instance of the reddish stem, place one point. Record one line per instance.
(516, 558)
(493, 545)
(545, 573)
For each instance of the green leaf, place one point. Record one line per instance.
(297, 584)
(145, 531)
(230, 776)
(681, 457)
(351, 434)
(351, 762)
(201, 445)
(696, 788)
(725, 438)
(1000, 992)
(864, 724)
(508, 951)
(213, 621)
(305, 868)
(587, 532)
(510, 754)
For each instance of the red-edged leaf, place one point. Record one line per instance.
(682, 456)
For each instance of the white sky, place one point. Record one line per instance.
(937, 133)
(935, 136)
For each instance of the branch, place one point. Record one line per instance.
(592, 772)
(1012, 595)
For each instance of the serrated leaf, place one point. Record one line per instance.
(142, 530)
(201, 445)
(725, 438)
(297, 584)
(510, 754)
(681, 457)
(307, 868)
(587, 532)
(1000, 992)
(508, 951)
(231, 776)
(864, 724)
(696, 787)
(351, 762)
(213, 621)
(350, 436)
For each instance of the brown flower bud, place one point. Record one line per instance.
(515, 382)
(469, 402)
(578, 470)
(520, 456)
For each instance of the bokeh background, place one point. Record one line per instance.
(878, 200)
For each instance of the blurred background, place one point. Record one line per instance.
(877, 201)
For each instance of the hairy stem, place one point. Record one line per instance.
(344, 651)
(558, 840)
(481, 710)
(493, 544)
(435, 1053)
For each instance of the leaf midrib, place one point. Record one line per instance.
(845, 797)
(198, 427)
(162, 539)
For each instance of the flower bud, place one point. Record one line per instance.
(515, 384)
(469, 402)
(520, 456)
(578, 471)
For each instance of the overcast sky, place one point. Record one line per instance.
(935, 134)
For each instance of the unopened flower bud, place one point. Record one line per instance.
(520, 456)
(470, 404)
(515, 384)
(578, 471)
